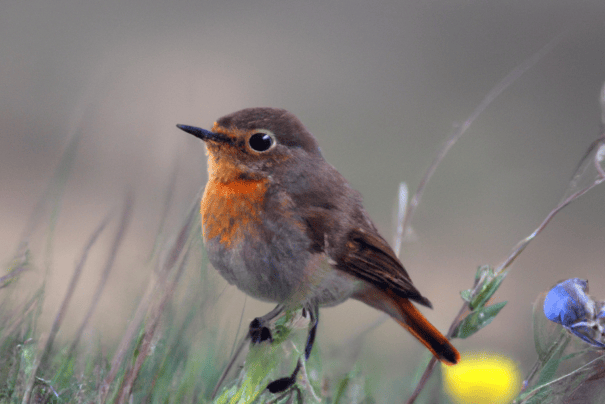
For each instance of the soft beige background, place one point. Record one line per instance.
(379, 83)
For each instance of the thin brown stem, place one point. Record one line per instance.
(143, 306)
(6, 279)
(506, 82)
(502, 267)
(150, 333)
(71, 288)
(123, 225)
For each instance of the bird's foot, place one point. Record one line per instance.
(259, 332)
(284, 383)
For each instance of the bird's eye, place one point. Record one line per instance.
(260, 142)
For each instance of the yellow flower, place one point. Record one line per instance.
(482, 378)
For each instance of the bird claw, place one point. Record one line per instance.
(284, 383)
(259, 332)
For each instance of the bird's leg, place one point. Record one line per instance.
(280, 385)
(314, 313)
(283, 384)
(258, 331)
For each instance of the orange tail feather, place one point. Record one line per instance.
(410, 318)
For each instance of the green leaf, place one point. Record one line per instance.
(466, 295)
(481, 272)
(533, 397)
(488, 285)
(269, 361)
(477, 320)
(552, 364)
(261, 366)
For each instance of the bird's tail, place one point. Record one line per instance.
(408, 316)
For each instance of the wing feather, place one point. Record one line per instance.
(369, 257)
(337, 225)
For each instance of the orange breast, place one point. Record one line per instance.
(230, 210)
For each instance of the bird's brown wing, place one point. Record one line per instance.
(337, 225)
(368, 256)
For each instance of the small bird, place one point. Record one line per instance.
(284, 226)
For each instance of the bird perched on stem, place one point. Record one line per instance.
(284, 226)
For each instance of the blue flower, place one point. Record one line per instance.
(569, 304)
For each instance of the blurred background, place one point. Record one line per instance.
(381, 84)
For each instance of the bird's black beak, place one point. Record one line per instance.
(205, 134)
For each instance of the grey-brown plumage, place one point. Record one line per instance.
(283, 225)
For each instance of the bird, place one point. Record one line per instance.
(284, 226)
